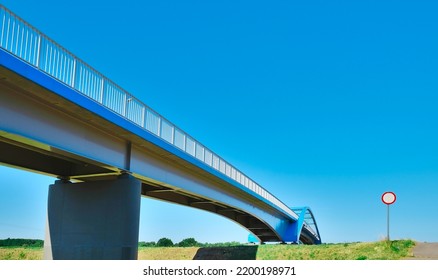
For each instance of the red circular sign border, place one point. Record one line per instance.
(395, 198)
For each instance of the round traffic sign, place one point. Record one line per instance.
(389, 198)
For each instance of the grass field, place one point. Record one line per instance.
(381, 250)
(21, 253)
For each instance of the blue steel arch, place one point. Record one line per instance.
(306, 223)
(302, 230)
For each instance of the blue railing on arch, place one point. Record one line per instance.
(26, 42)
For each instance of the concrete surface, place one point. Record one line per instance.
(93, 220)
(425, 251)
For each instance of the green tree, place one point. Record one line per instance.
(147, 244)
(164, 242)
(189, 242)
(20, 242)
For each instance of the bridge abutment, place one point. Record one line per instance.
(93, 220)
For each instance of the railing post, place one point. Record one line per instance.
(159, 125)
(38, 52)
(173, 135)
(102, 90)
(125, 105)
(3, 13)
(73, 75)
(143, 116)
(20, 38)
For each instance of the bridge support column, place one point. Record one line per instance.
(93, 220)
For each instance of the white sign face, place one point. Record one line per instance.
(389, 198)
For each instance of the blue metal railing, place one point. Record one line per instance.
(30, 45)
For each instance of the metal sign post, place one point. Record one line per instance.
(388, 198)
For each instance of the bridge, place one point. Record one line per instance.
(107, 149)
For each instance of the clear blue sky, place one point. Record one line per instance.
(324, 103)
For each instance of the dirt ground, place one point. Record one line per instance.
(425, 251)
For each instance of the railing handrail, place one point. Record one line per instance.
(29, 44)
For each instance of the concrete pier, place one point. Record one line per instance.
(93, 220)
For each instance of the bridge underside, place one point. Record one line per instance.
(63, 166)
(264, 232)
